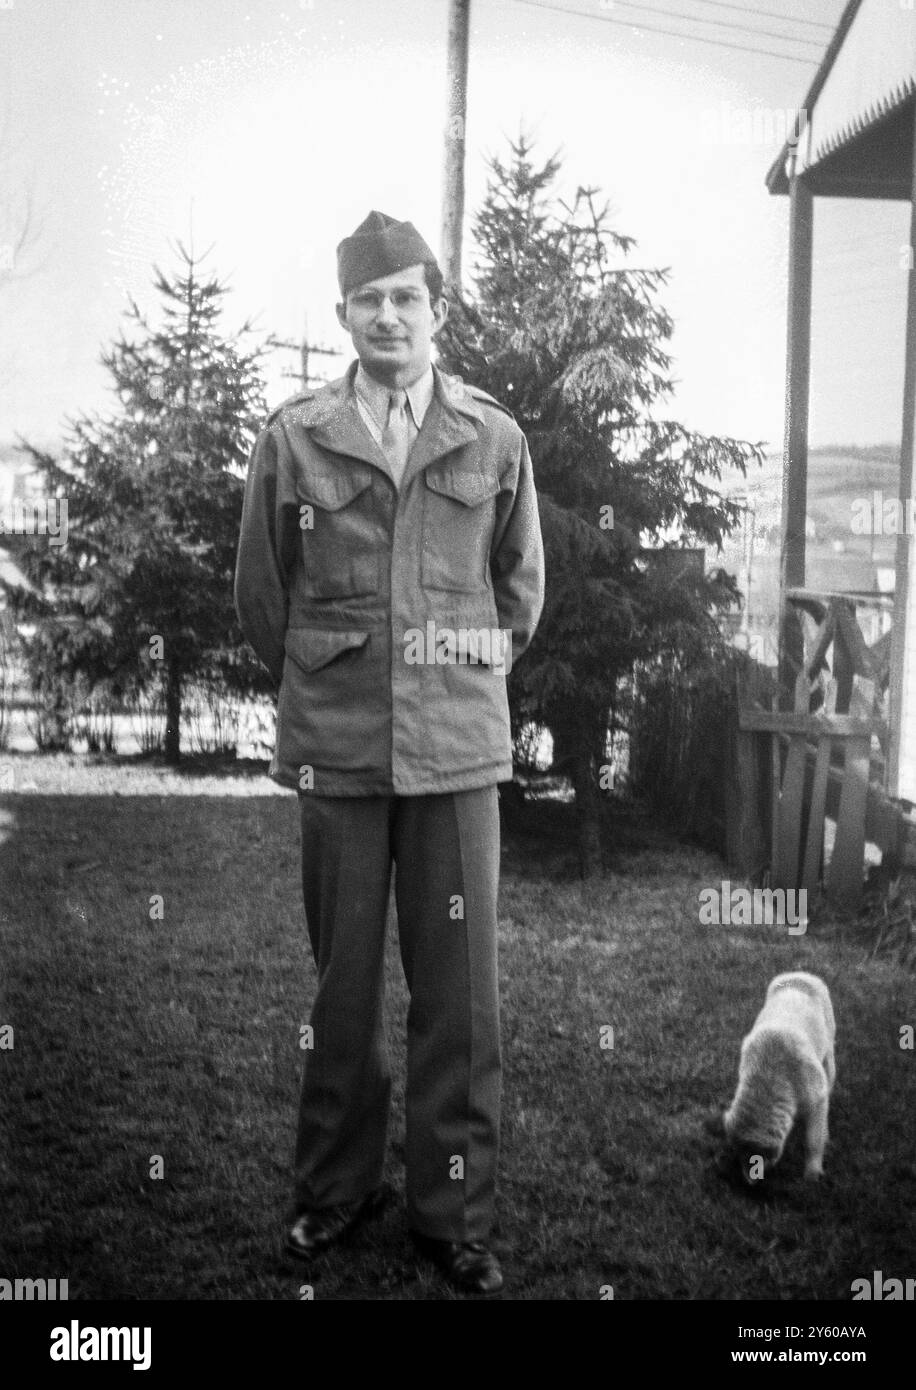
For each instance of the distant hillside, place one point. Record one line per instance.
(837, 476)
(836, 558)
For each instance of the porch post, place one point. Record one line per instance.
(795, 450)
(903, 599)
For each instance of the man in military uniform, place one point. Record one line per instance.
(390, 562)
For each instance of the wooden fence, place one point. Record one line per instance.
(826, 751)
(767, 786)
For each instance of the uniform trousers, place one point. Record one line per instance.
(445, 853)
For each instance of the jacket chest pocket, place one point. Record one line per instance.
(459, 511)
(339, 542)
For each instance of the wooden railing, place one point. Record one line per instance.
(828, 749)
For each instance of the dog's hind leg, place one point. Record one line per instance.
(830, 1068)
(816, 1138)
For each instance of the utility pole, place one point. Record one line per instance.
(459, 20)
(304, 348)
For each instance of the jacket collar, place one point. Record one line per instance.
(373, 396)
(331, 416)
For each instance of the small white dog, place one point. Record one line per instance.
(787, 1069)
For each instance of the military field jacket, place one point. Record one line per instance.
(347, 588)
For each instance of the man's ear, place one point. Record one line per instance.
(342, 315)
(440, 313)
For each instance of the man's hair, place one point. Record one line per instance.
(434, 280)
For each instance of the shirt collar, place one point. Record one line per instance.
(375, 395)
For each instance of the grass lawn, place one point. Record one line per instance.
(179, 1038)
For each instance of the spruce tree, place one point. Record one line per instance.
(140, 597)
(574, 340)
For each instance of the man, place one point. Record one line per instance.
(389, 563)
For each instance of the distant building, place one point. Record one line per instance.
(18, 476)
(18, 481)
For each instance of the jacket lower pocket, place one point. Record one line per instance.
(334, 707)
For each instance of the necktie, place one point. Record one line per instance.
(399, 433)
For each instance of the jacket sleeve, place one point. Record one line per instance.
(262, 563)
(517, 556)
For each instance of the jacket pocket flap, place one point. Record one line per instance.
(313, 647)
(462, 485)
(331, 491)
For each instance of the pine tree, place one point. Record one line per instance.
(561, 328)
(140, 597)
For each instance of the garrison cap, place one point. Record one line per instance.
(379, 246)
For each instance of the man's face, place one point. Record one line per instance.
(392, 323)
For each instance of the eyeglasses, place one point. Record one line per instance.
(372, 300)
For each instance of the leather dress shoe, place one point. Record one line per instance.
(468, 1265)
(315, 1230)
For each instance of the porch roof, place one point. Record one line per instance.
(856, 137)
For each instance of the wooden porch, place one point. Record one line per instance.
(843, 719)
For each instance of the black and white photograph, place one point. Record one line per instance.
(458, 668)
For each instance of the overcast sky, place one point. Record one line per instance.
(270, 128)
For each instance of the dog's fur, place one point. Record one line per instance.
(787, 1069)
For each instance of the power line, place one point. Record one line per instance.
(720, 24)
(764, 14)
(671, 33)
